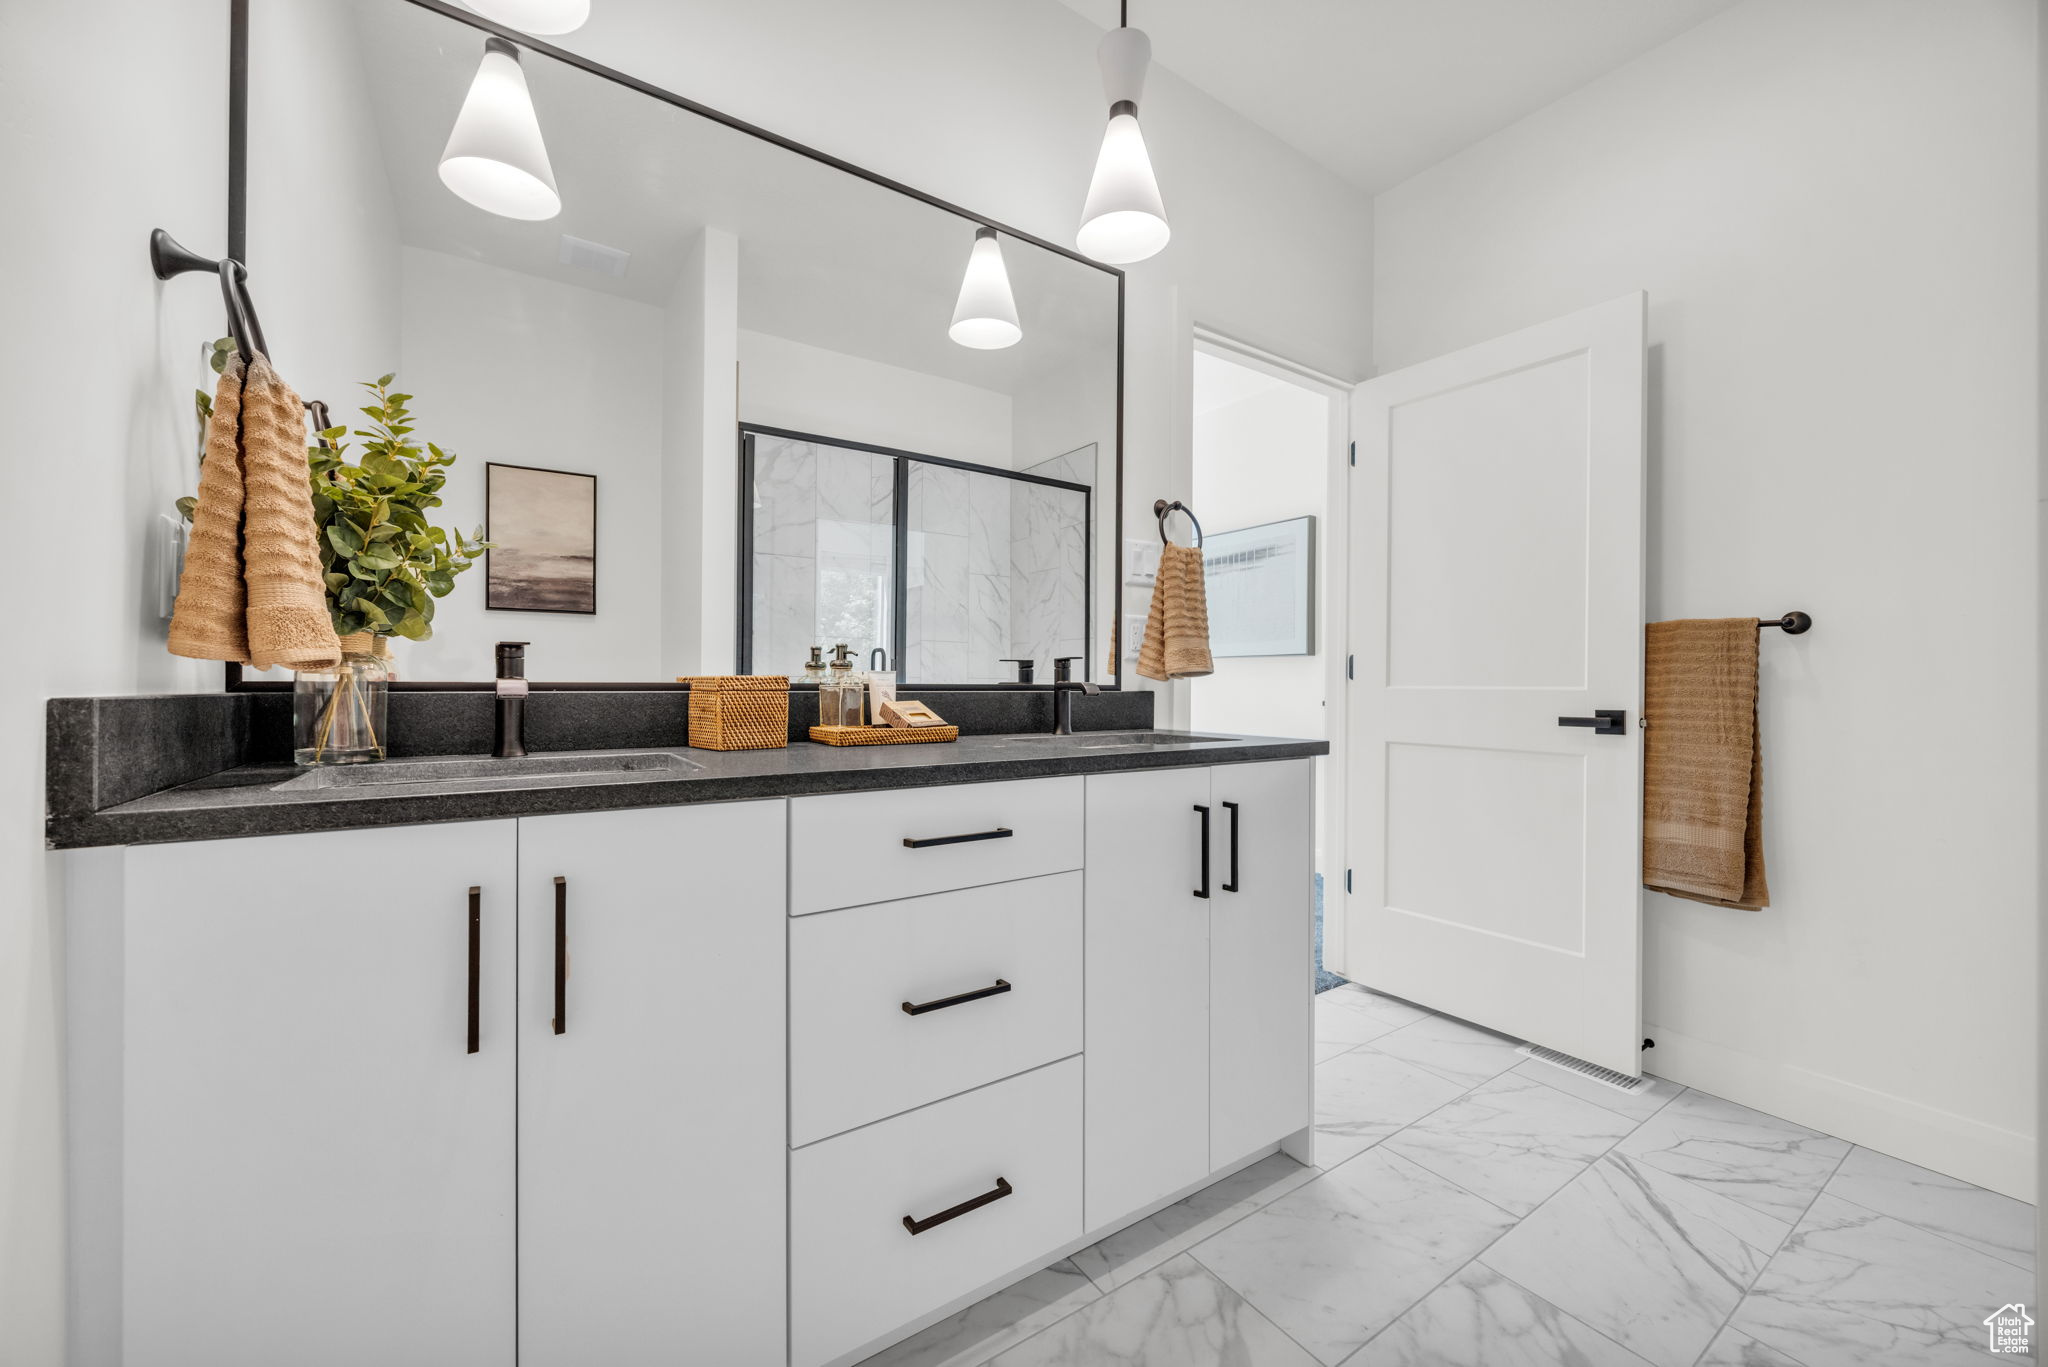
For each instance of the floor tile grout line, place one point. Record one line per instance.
(1224, 1282)
(1914, 1225)
(1791, 1228)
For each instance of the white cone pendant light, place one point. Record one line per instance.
(495, 158)
(985, 318)
(545, 17)
(1123, 220)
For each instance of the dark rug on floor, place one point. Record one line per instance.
(1324, 980)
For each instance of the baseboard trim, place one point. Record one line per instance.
(1992, 1157)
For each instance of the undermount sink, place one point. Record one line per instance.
(1104, 740)
(473, 773)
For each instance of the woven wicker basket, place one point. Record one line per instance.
(738, 711)
(883, 735)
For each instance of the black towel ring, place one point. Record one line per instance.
(1160, 508)
(168, 258)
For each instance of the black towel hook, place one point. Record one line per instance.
(168, 258)
(1160, 508)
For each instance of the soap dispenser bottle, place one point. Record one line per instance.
(840, 699)
(814, 668)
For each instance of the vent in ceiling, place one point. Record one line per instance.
(593, 256)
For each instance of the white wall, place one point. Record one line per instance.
(824, 393)
(97, 365)
(1832, 206)
(1264, 458)
(491, 355)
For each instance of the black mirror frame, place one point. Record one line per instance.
(238, 248)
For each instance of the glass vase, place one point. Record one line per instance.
(338, 714)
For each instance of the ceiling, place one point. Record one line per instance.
(1377, 90)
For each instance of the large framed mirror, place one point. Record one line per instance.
(711, 408)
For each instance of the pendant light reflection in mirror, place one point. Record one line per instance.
(1123, 219)
(542, 18)
(985, 317)
(495, 157)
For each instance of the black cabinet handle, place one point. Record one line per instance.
(917, 1226)
(476, 963)
(561, 955)
(919, 1008)
(999, 833)
(1203, 891)
(1604, 721)
(1231, 886)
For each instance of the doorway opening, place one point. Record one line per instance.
(1268, 448)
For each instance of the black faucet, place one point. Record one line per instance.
(508, 737)
(1064, 687)
(875, 655)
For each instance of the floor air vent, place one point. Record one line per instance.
(1606, 1077)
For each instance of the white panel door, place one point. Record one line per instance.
(1147, 976)
(1261, 959)
(319, 1156)
(1497, 588)
(652, 1123)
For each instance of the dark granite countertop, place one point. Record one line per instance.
(278, 799)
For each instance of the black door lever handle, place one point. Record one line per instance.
(1604, 721)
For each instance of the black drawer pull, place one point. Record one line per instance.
(916, 1226)
(1231, 886)
(1203, 891)
(561, 955)
(999, 833)
(476, 956)
(919, 1008)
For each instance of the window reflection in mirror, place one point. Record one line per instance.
(698, 282)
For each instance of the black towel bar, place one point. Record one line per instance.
(1792, 622)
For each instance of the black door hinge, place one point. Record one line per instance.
(1354, 453)
(1350, 666)
(1347, 881)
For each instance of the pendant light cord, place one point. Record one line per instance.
(1123, 16)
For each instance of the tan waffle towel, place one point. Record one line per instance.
(1176, 644)
(1703, 774)
(251, 591)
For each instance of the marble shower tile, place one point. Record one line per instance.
(785, 612)
(1766, 1163)
(945, 661)
(1852, 1288)
(846, 484)
(1343, 1257)
(988, 524)
(989, 1326)
(943, 608)
(1513, 1141)
(1177, 1316)
(1651, 1261)
(1653, 1096)
(1136, 1249)
(1983, 1220)
(785, 497)
(1733, 1349)
(1325, 1050)
(939, 499)
(1450, 1048)
(1354, 1015)
(1363, 1096)
(1481, 1319)
(988, 628)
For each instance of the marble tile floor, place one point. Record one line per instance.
(1472, 1208)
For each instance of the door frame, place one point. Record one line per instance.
(1333, 544)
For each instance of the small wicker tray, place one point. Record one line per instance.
(883, 735)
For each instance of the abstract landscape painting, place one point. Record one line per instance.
(543, 526)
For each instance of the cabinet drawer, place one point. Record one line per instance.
(856, 1271)
(857, 1055)
(848, 849)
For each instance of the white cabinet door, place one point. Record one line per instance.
(1261, 956)
(652, 1122)
(1147, 963)
(1496, 833)
(318, 1154)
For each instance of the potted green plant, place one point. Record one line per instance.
(385, 565)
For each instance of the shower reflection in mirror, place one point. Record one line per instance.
(950, 568)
